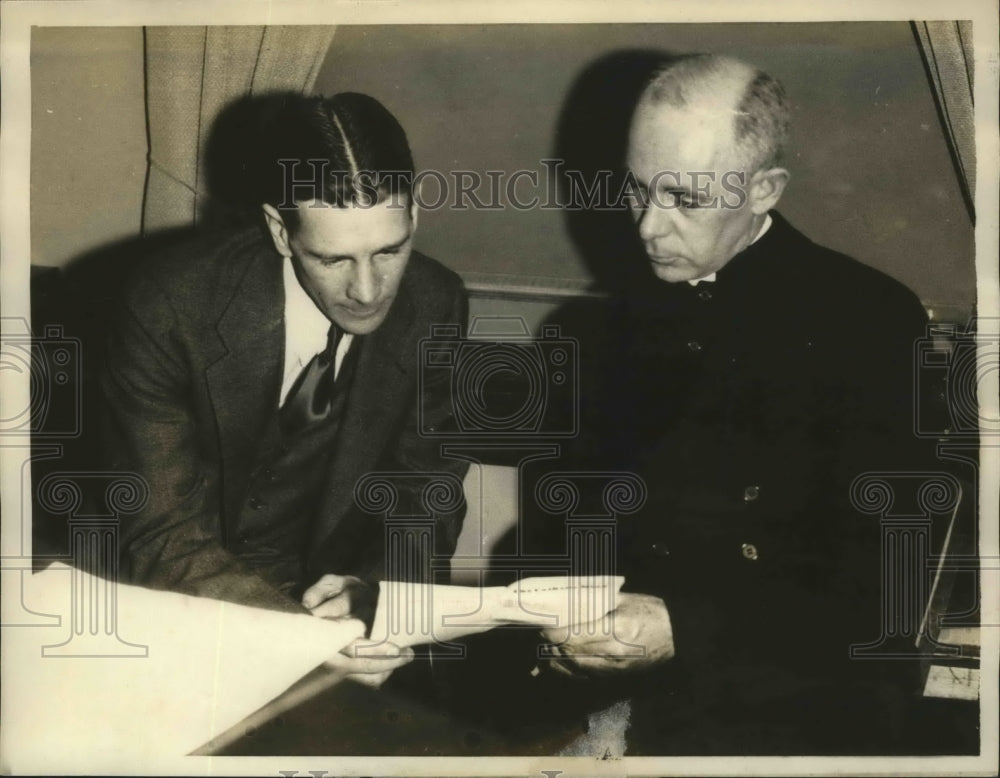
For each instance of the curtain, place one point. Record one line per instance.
(192, 74)
(948, 58)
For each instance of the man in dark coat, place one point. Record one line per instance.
(749, 381)
(253, 379)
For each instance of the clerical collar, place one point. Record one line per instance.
(760, 233)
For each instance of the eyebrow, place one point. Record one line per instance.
(672, 191)
(383, 250)
(669, 188)
(665, 185)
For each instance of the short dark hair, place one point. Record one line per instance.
(345, 149)
(760, 127)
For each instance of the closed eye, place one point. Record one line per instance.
(392, 249)
(671, 198)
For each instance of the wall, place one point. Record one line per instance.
(871, 171)
(88, 139)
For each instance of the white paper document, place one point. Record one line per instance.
(410, 614)
(132, 675)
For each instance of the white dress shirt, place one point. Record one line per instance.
(306, 331)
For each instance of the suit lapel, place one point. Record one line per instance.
(380, 391)
(244, 384)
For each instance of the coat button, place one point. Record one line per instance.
(749, 551)
(751, 493)
(694, 346)
(660, 549)
(705, 293)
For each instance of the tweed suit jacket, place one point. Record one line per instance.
(192, 379)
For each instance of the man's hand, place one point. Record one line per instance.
(341, 596)
(375, 664)
(635, 635)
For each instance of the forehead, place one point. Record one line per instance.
(329, 229)
(688, 139)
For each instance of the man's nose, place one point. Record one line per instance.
(655, 221)
(364, 286)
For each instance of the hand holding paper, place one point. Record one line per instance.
(410, 614)
(343, 597)
(340, 596)
(635, 635)
(367, 666)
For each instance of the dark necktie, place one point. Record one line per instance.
(310, 397)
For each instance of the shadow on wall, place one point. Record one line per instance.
(235, 168)
(79, 304)
(83, 299)
(591, 138)
(238, 167)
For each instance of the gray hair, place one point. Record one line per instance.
(761, 115)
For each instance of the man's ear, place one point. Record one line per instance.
(279, 232)
(414, 211)
(414, 198)
(766, 188)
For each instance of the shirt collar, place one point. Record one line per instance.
(306, 326)
(760, 233)
(306, 330)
